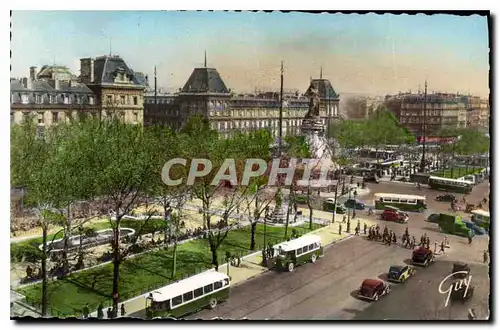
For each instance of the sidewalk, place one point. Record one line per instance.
(251, 264)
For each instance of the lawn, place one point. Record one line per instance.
(146, 272)
(456, 172)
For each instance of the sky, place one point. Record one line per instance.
(366, 54)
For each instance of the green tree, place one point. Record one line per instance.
(120, 159)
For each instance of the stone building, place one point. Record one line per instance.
(54, 94)
(443, 110)
(206, 93)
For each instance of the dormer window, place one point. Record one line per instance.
(24, 98)
(38, 98)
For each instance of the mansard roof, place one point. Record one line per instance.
(106, 68)
(205, 80)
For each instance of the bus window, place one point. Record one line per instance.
(208, 289)
(381, 200)
(412, 201)
(187, 296)
(404, 201)
(176, 301)
(198, 292)
(226, 282)
(420, 202)
(305, 249)
(217, 285)
(312, 246)
(299, 251)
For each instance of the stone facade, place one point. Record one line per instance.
(443, 111)
(206, 93)
(54, 94)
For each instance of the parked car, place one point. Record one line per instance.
(434, 218)
(373, 289)
(460, 294)
(446, 198)
(460, 267)
(329, 205)
(400, 273)
(354, 204)
(394, 215)
(422, 256)
(370, 178)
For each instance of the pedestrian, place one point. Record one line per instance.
(359, 224)
(435, 246)
(406, 232)
(122, 310)
(356, 231)
(442, 248)
(485, 256)
(100, 313)
(394, 238)
(364, 228)
(85, 311)
(340, 229)
(109, 313)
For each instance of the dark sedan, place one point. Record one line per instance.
(446, 198)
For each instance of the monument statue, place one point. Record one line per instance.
(313, 95)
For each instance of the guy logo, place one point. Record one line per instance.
(456, 286)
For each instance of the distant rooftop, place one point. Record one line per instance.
(205, 80)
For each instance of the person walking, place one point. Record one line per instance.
(435, 246)
(85, 311)
(122, 310)
(356, 231)
(364, 228)
(100, 313)
(441, 250)
(109, 313)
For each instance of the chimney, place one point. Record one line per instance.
(25, 83)
(86, 70)
(33, 73)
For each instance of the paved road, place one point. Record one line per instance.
(419, 299)
(325, 290)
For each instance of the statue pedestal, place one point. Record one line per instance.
(312, 125)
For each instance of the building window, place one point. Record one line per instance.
(136, 117)
(91, 100)
(135, 100)
(66, 99)
(109, 99)
(55, 117)
(40, 117)
(38, 98)
(122, 99)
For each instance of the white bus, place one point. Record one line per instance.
(190, 295)
(298, 251)
(451, 185)
(403, 202)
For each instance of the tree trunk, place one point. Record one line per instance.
(116, 262)
(253, 227)
(213, 249)
(174, 258)
(287, 220)
(44, 270)
(67, 234)
(310, 208)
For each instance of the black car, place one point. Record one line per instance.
(460, 267)
(446, 198)
(434, 218)
(460, 294)
(354, 204)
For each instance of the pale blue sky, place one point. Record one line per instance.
(359, 53)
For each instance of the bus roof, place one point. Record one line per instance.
(188, 284)
(481, 212)
(398, 196)
(447, 179)
(299, 242)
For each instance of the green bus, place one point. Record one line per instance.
(402, 202)
(298, 251)
(451, 185)
(189, 295)
(481, 218)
